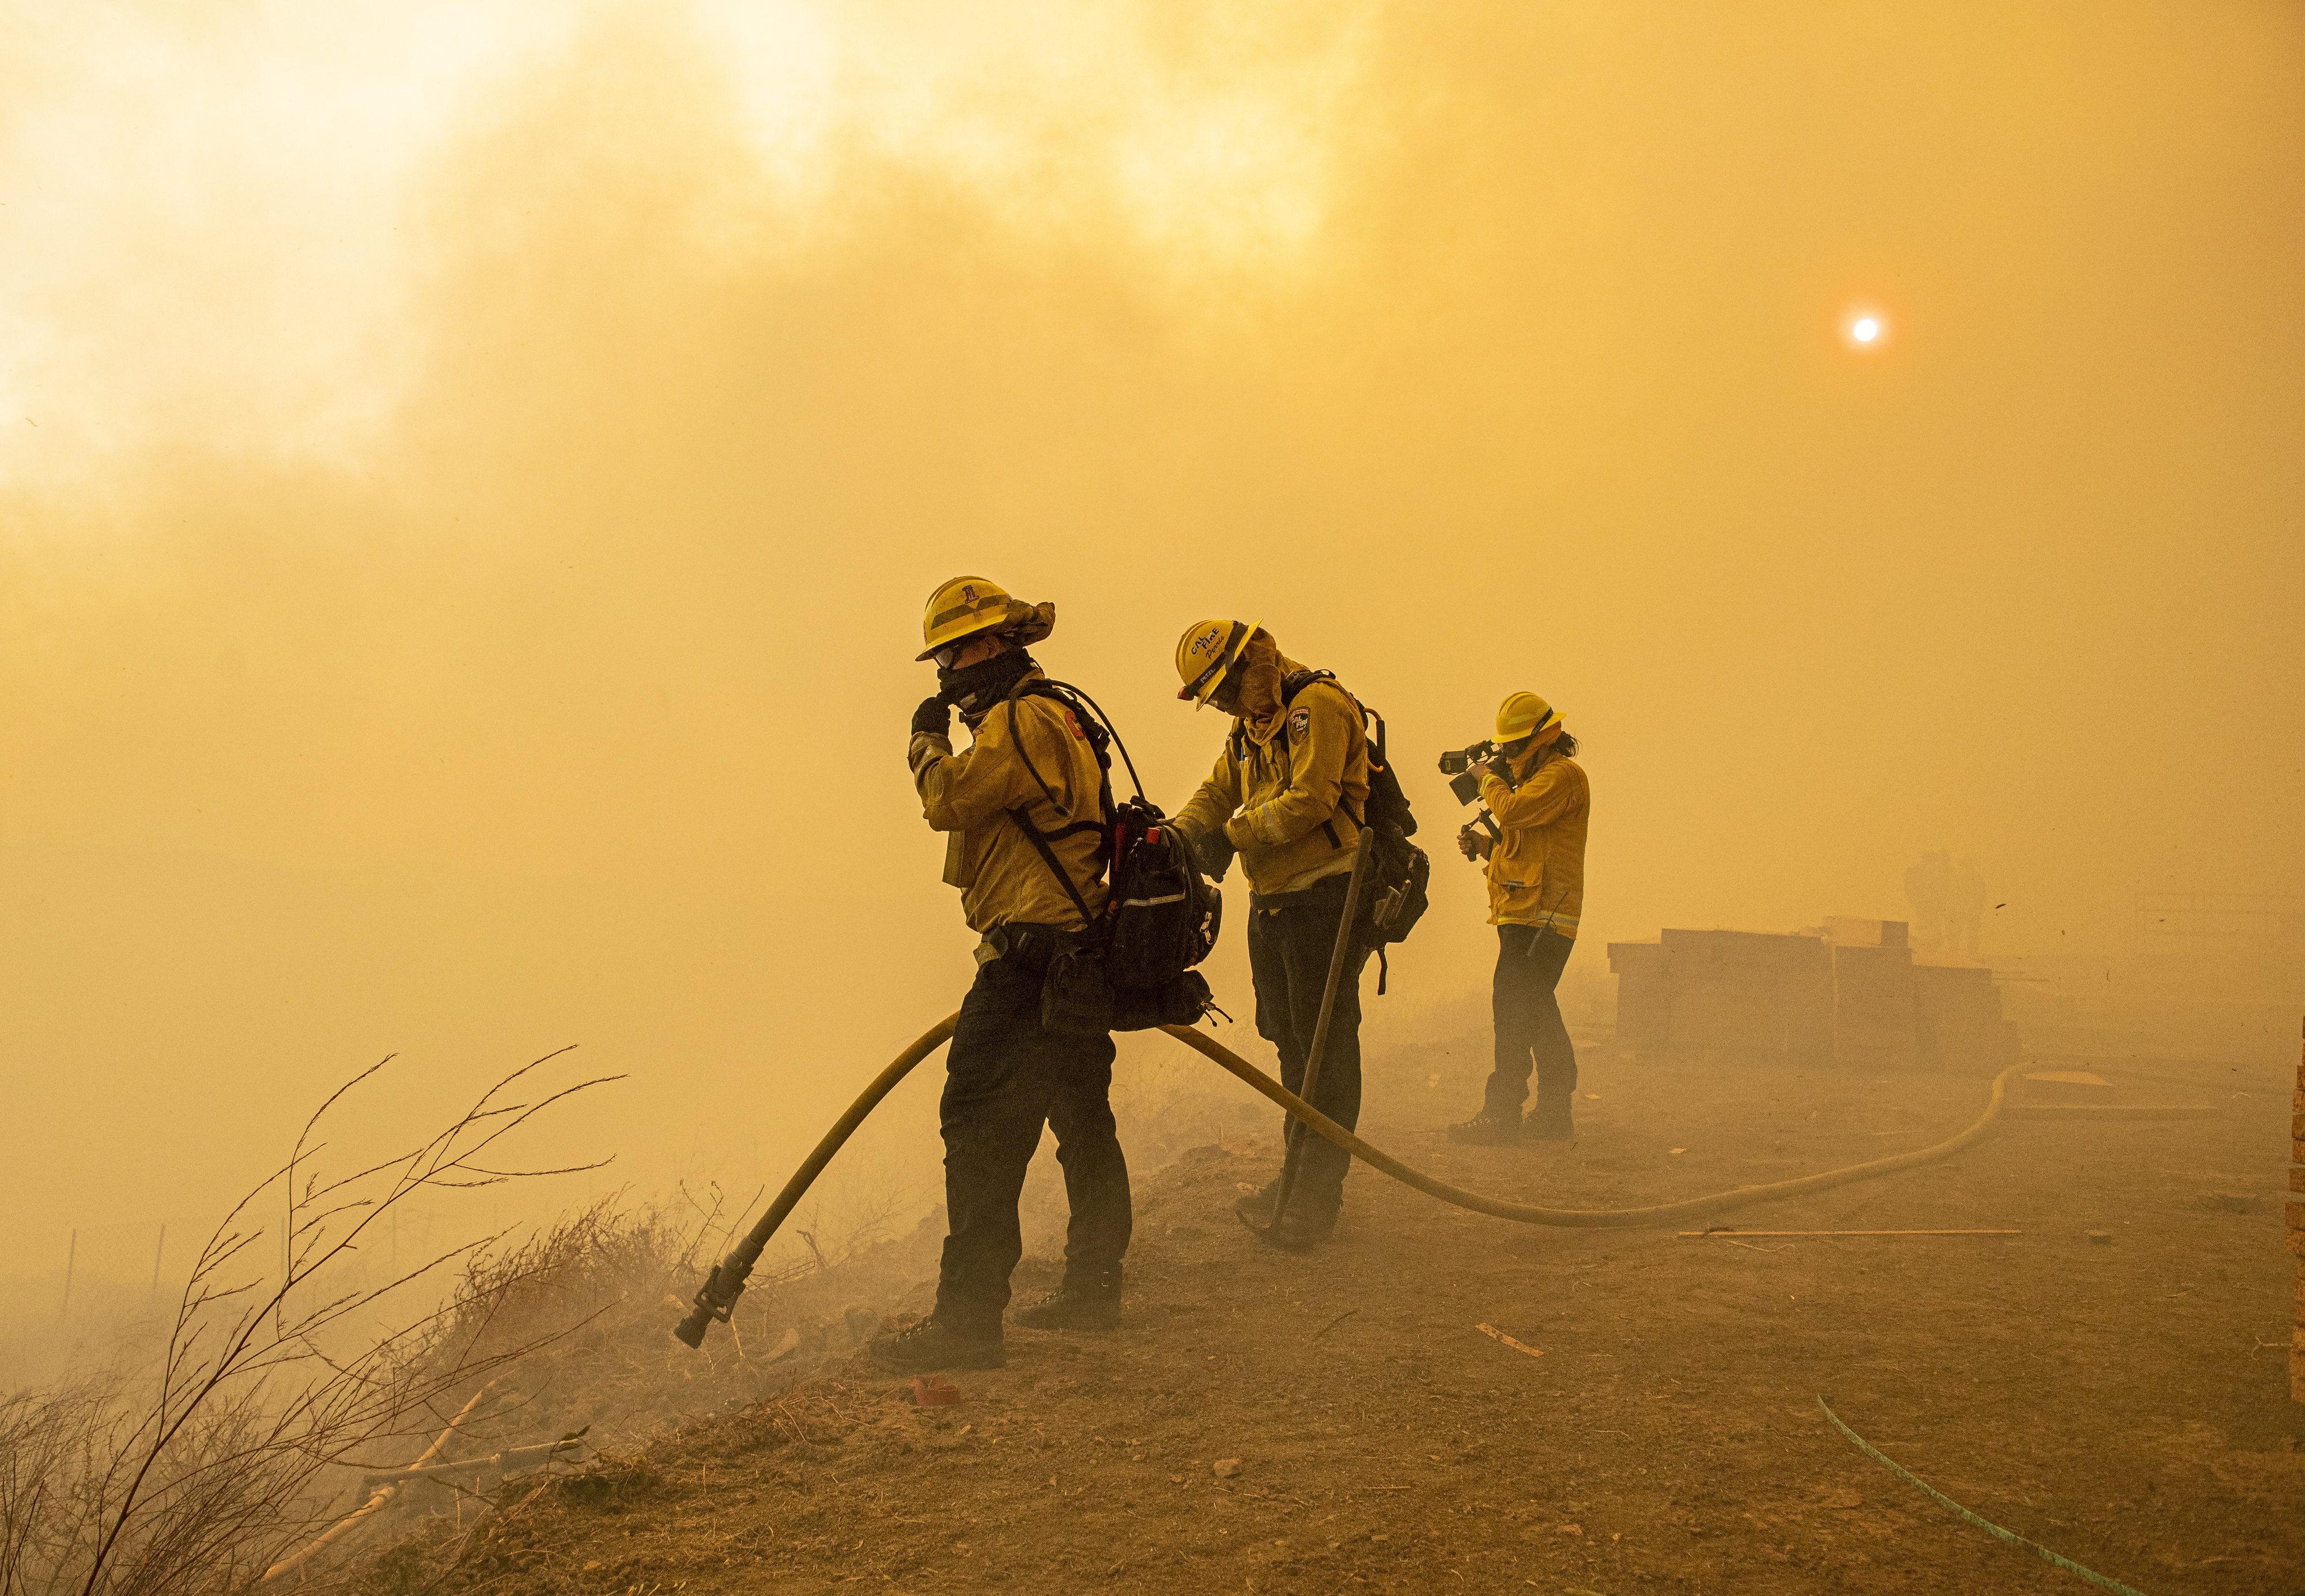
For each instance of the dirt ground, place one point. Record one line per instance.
(2122, 1400)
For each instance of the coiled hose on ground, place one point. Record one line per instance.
(725, 1284)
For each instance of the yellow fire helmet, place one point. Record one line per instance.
(1205, 653)
(966, 606)
(1521, 714)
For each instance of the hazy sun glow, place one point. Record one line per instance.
(1866, 329)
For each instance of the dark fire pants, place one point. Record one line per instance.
(1529, 961)
(1291, 936)
(1005, 1077)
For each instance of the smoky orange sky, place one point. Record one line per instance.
(469, 476)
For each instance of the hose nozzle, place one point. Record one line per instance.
(715, 1300)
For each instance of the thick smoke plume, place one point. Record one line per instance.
(468, 476)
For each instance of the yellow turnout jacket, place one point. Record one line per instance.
(1536, 873)
(1028, 754)
(1285, 790)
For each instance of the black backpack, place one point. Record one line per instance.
(1133, 969)
(1395, 896)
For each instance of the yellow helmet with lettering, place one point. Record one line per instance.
(1521, 714)
(1205, 653)
(964, 606)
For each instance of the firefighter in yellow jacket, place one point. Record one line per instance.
(1289, 792)
(1539, 799)
(1024, 812)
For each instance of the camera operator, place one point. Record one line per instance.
(1532, 835)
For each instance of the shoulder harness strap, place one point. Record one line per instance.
(1033, 834)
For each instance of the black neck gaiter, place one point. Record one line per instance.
(975, 688)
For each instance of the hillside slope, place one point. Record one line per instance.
(2123, 1401)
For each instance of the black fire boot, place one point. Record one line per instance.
(1301, 1227)
(1549, 1120)
(1091, 1305)
(1489, 1128)
(1255, 1210)
(932, 1343)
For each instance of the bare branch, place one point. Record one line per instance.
(181, 1476)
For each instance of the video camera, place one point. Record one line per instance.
(1465, 781)
(1458, 764)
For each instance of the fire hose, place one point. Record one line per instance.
(717, 1298)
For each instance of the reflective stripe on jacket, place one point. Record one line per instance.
(1536, 872)
(1003, 878)
(1284, 790)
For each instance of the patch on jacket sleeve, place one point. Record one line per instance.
(1300, 721)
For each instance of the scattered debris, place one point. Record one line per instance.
(933, 1390)
(2036, 1110)
(1494, 1334)
(378, 1498)
(509, 1459)
(2064, 1083)
(1227, 1468)
(2103, 1238)
(1725, 1235)
(1333, 1323)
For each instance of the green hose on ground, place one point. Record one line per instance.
(1987, 1524)
(717, 1296)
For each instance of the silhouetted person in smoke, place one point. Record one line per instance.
(1966, 894)
(1541, 801)
(1030, 772)
(1929, 888)
(1288, 794)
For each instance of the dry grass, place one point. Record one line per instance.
(258, 1443)
(200, 1469)
(623, 1277)
(291, 1378)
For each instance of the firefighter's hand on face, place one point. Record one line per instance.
(934, 718)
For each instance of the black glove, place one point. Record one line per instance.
(934, 717)
(1213, 851)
